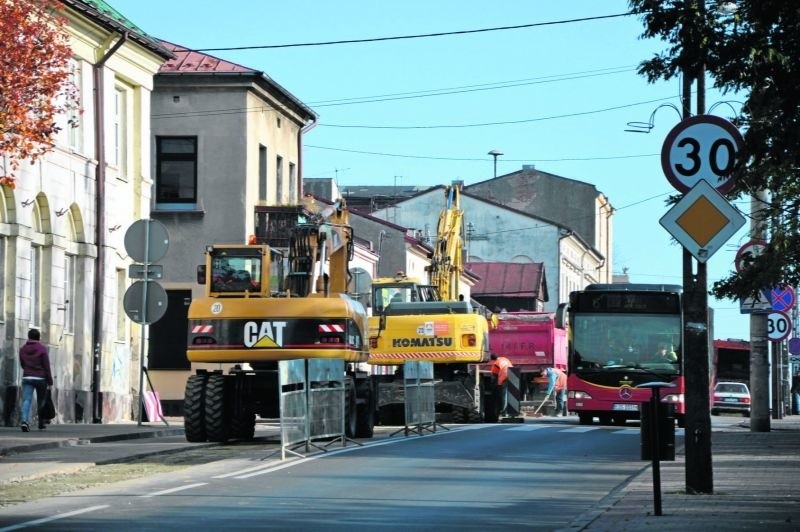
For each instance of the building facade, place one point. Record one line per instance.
(63, 265)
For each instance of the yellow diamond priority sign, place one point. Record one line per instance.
(702, 221)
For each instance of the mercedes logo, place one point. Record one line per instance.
(625, 392)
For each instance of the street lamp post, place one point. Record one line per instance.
(495, 154)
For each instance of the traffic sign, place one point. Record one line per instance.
(747, 253)
(782, 298)
(701, 147)
(794, 346)
(702, 221)
(779, 326)
(149, 271)
(761, 304)
(135, 306)
(146, 240)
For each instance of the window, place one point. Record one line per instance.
(292, 184)
(2, 275)
(35, 286)
(262, 173)
(69, 293)
(279, 179)
(75, 126)
(176, 171)
(119, 153)
(120, 336)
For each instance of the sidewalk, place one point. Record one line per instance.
(756, 487)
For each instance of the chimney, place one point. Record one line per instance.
(529, 167)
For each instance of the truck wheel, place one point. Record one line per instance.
(584, 419)
(243, 425)
(194, 409)
(217, 423)
(365, 421)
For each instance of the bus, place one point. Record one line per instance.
(624, 335)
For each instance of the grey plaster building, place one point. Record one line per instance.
(225, 139)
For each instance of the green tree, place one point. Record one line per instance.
(34, 80)
(752, 48)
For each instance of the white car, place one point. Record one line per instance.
(731, 397)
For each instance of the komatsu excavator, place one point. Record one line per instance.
(431, 322)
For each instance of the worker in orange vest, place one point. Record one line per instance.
(557, 384)
(500, 367)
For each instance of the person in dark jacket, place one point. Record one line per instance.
(36, 375)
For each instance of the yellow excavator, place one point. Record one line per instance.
(253, 316)
(431, 322)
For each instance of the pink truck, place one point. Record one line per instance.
(532, 342)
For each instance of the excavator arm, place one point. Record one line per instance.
(446, 264)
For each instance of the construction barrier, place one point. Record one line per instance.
(312, 403)
(420, 410)
(513, 387)
(293, 403)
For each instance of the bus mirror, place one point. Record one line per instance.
(561, 315)
(201, 274)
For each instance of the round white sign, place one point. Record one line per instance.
(701, 147)
(779, 326)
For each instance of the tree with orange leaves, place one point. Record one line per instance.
(35, 85)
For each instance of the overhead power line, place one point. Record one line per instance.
(503, 123)
(406, 37)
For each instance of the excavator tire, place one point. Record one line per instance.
(194, 409)
(217, 423)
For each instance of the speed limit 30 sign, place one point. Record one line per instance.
(779, 326)
(701, 147)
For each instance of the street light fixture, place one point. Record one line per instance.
(495, 154)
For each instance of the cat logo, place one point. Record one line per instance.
(264, 335)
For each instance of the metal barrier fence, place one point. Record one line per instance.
(513, 391)
(312, 400)
(294, 404)
(420, 397)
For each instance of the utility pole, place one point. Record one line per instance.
(699, 472)
(759, 346)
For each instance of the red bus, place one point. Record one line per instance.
(624, 335)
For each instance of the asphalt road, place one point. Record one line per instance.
(531, 476)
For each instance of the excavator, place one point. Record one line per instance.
(252, 316)
(431, 322)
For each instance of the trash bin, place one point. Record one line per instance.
(666, 431)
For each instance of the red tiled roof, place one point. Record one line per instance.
(510, 279)
(189, 61)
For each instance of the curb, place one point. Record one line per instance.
(75, 441)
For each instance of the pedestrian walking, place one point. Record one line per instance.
(557, 383)
(36, 376)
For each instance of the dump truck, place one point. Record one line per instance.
(731, 361)
(430, 323)
(265, 304)
(532, 341)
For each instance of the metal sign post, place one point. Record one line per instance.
(145, 301)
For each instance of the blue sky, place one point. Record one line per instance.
(557, 96)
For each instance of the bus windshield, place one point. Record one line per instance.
(612, 341)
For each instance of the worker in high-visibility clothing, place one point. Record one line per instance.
(500, 367)
(557, 384)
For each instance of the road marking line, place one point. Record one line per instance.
(627, 431)
(530, 427)
(580, 429)
(173, 490)
(53, 518)
(269, 468)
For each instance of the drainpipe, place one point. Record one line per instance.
(100, 227)
(303, 130)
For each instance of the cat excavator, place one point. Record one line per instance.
(431, 322)
(252, 316)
